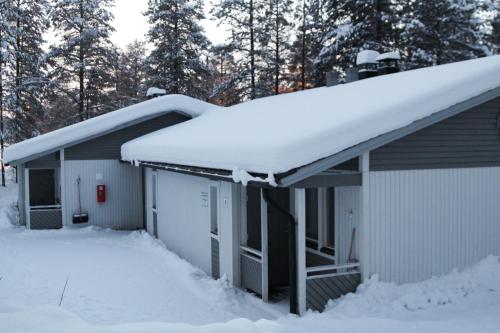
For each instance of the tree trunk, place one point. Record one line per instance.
(18, 113)
(252, 51)
(303, 55)
(277, 51)
(1, 114)
(81, 71)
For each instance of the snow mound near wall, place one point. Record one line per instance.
(377, 297)
(58, 320)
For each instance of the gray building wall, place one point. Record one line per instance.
(469, 139)
(424, 223)
(44, 162)
(184, 217)
(109, 145)
(123, 208)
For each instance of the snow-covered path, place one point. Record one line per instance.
(127, 282)
(114, 277)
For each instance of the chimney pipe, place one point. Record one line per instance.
(331, 79)
(351, 74)
(366, 61)
(388, 63)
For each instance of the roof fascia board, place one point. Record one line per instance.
(347, 154)
(76, 142)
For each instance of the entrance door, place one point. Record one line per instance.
(44, 205)
(42, 187)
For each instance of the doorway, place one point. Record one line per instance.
(43, 209)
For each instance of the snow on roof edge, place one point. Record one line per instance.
(106, 122)
(423, 92)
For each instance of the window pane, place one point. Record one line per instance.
(213, 210)
(153, 190)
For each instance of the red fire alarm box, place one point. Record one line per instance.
(101, 193)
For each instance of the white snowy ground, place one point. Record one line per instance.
(127, 282)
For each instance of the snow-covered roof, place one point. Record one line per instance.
(276, 134)
(367, 57)
(155, 91)
(105, 123)
(394, 55)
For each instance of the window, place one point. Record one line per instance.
(154, 203)
(153, 190)
(214, 211)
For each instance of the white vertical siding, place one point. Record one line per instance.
(347, 214)
(123, 208)
(229, 230)
(148, 200)
(184, 217)
(428, 222)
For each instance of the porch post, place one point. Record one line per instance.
(364, 225)
(300, 216)
(27, 208)
(264, 246)
(62, 183)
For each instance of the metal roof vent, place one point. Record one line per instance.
(366, 62)
(388, 63)
(332, 78)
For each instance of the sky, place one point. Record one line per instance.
(130, 24)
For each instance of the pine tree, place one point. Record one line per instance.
(226, 89)
(279, 25)
(30, 23)
(309, 27)
(7, 38)
(248, 41)
(85, 54)
(130, 74)
(352, 26)
(439, 32)
(176, 62)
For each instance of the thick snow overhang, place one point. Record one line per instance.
(292, 136)
(109, 122)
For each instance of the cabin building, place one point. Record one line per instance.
(76, 170)
(307, 194)
(301, 195)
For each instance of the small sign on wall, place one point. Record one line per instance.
(204, 199)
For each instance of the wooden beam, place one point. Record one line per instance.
(354, 179)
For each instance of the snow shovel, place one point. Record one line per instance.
(80, 217)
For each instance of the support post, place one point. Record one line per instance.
(300, 216)
(62, 183)
(364, 226)
(27, 208)
(264, 247)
